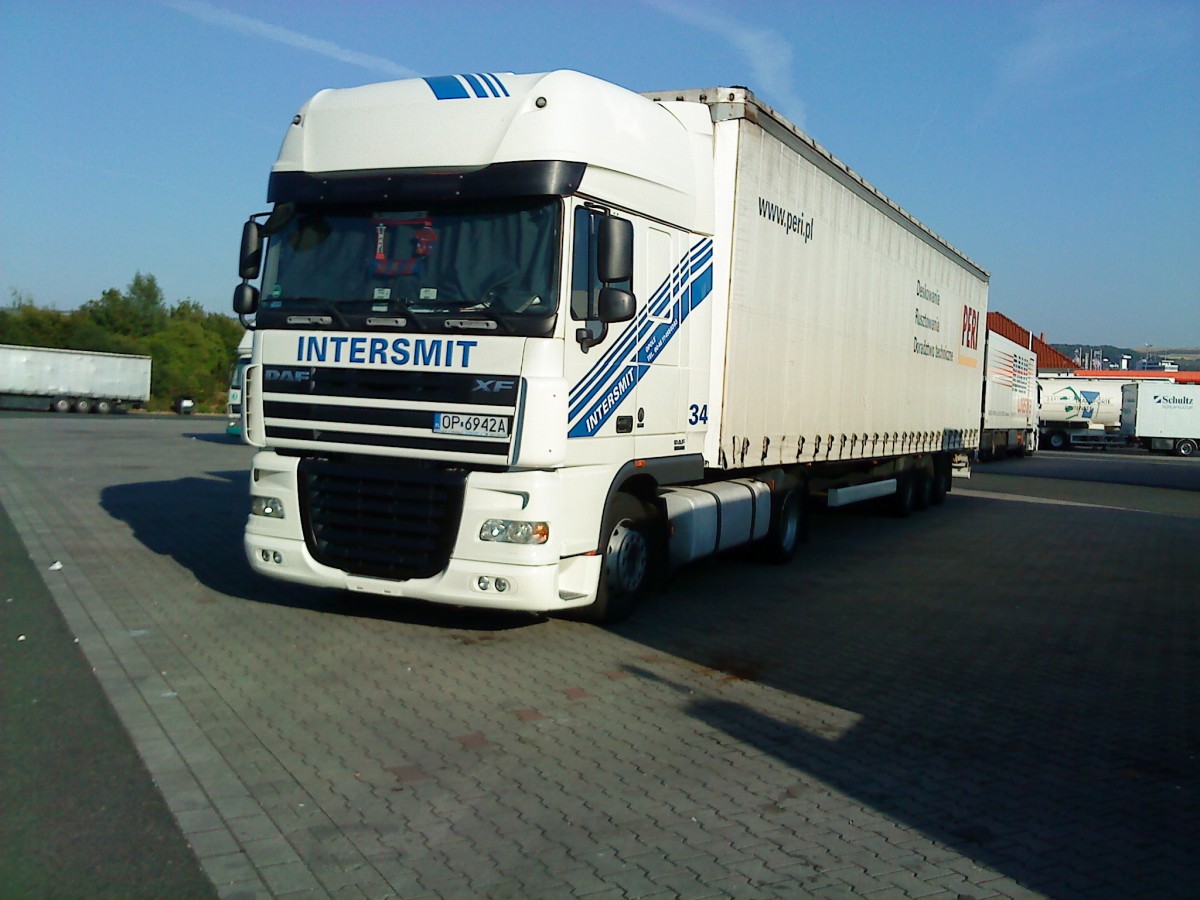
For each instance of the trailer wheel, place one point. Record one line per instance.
(103, 407)
(922, 490)
(1058, 440)
(1186, 447)
(60, 405)
(82, 405)
(941, 483)
(789, 527)
(628, 559)
(904, 500)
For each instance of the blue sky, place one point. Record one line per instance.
(1057, 144)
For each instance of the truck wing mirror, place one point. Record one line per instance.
(245, 299)
(616, 305)
(251, 257)
(614, 250)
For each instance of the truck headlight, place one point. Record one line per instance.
(271, 507)
(508, 531)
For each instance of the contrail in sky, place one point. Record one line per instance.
(768, 53)
(223, 18)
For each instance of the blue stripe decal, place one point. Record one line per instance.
(460, 87)
(600, 392)
(659, 300)
(495, 81)
(447, 87)
(476, 86)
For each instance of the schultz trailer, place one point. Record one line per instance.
(72, 380)
(1163, 418)
(524, 341)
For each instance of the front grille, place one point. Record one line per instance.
(369, 516)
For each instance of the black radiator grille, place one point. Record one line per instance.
(373, 517)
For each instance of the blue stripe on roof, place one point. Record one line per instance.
(447, 87)
(476, 86)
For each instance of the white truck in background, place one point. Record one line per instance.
(1080, 412)
(524, 341)
(1010, 399)
(237, 378)
(72, 380)
(1162, 417)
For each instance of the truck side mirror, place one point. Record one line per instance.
(251, 257)
(245, 299)
(616, 305)
(614, 250)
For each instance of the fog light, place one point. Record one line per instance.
(277, 557)
(508, 531)
(483, 582)
(266, 555)
(501, 584)
(271, 507)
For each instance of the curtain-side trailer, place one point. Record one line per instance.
(72, 380)
(524, 341)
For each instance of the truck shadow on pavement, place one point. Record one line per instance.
(941, 674)
(198, 522)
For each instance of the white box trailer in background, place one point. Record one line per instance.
(1010, 399)
(1162, 417)
(72, 380)
(523, 340)
(237, 378)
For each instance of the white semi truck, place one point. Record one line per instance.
(1162, 417)
(524, 341)
(1010, 399)
(1080, 412)
(72, 380)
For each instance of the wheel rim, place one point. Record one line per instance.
(627, 558)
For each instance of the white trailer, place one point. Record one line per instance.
(1162, 417)
(72, 380)
(523, 341)
(1010, 399)
(1080, 412)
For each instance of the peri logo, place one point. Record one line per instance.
(970, 328)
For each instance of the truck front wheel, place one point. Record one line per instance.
(1186, 447)
(628, 547)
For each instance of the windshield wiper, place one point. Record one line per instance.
(323, 312)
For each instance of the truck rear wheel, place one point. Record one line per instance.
(1186, 447)
(628, 547)
(60, 405)
(789, 527)
(941, 482)
(103, 407)
(82, 405)
(1058, 440)
(922, 490)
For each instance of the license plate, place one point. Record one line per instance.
(470, 426)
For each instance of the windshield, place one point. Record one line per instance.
(493, 267)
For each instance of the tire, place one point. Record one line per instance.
(922, 490)
(82, 405)
(60, 405)
(1186, 447)
(627, 541)
(941, 484)
(789, 527)
(904, 500)
(1058, 440)
(103, 407)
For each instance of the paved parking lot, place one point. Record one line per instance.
(994, 698)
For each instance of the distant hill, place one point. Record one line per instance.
(1187, 358)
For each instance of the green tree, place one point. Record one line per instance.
(137, 312)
